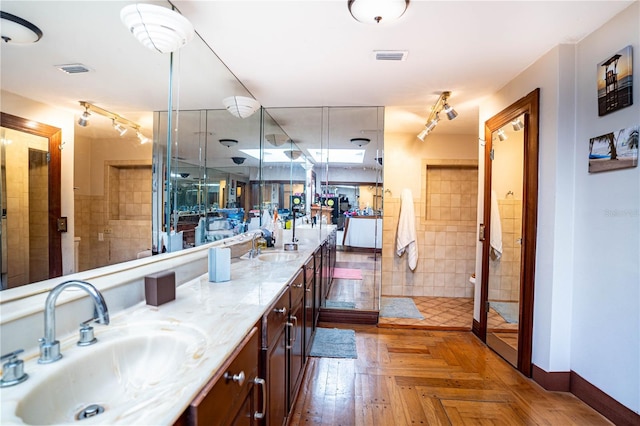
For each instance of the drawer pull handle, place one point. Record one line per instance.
(299, 285)
(238, 378)
(280, 311)
(263, 386)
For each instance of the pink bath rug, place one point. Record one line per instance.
(347, 274)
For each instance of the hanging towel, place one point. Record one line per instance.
(496, 228)
(407, 239)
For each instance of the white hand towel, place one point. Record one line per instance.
(407, 239)
(495, 238)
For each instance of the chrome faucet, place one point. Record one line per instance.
(255, 251)
(49, 346)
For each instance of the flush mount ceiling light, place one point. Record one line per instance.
(228, 142)
(241, 106)
(377, 11)
(238, 160)
(157, 28)
(293, 154)
(434, 117)
(360, 141)
(16, 30)
(277, 139)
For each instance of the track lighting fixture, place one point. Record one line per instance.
(121, 130)
(517, 124)
(118, 122)
(434, 117)
(84, 118)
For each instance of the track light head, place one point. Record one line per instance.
(517, 124)
(451, 113)
(121, 130)
(84, 118)
(423, 134)
(501, 135)
(143, 139)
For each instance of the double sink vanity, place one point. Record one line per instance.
(220, 353)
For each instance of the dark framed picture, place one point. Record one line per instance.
(615, 150)
(615, 82)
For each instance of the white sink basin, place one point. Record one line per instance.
(119, 373)
(277, 257)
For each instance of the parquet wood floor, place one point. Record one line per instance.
(426, 377)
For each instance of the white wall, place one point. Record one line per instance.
(31, 110)
(605, 341)
(587, 296)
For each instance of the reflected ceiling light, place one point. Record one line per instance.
(293, 154)
(501, 135)
(228, 142)
(360, 141)
(143, 139)
(84, 118)
(238, 160)
(434, 117)
(377, 11)
(241, 106)
(157, 28)
(121, 130)
(16, 30)
(277, 139)
(517, 124)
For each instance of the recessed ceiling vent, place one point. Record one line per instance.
(73, 68)
(390, 55)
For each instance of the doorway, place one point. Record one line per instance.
(30, 213)
(509, 240)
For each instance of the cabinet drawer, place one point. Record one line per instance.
(275, 319)
(297, 288)
(223, 396)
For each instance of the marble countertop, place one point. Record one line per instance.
(219, 314)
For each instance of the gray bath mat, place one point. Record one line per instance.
(399, 307)
(339, 304)
(334, 343)
(507, 310)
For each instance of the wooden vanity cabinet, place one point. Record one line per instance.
(309, 303)
(233, 396)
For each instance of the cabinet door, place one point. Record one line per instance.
(245, 415)
(276, 365)
(296, 349)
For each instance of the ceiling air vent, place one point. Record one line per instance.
(390, 55)
(72, 68)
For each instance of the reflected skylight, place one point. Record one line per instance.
(354, 156)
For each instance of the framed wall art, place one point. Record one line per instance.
(615, 150)
(615, 82)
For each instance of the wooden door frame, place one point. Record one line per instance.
(529, 106)
(54, 136)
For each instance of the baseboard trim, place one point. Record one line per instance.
(552, 381)
(349, 316)
(603, 403)
(570, 381)
(475, 327)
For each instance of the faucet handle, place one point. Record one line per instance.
(13, 369)
(86, 334)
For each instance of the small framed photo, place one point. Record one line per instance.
(615, 82)
(615, 150)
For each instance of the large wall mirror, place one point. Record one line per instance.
(213, 165)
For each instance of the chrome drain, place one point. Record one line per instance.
(90, 411)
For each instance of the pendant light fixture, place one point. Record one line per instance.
(377, 11)
(241, 106)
